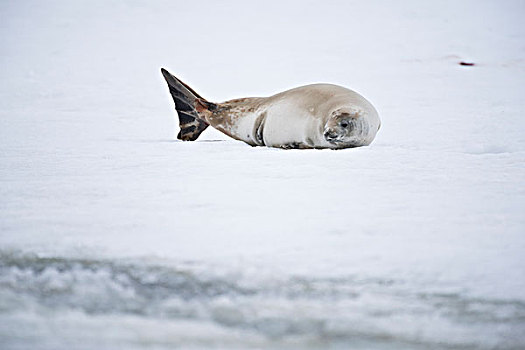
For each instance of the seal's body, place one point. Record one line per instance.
(312, 116)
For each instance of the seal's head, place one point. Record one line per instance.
(350, 127)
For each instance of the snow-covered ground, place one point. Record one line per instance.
(113, 235)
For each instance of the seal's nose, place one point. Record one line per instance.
(330, 135)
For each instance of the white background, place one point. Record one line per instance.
(89, 169)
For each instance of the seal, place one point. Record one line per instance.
(311, 116)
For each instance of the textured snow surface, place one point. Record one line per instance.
(113, 235)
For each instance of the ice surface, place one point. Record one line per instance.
(113, 235)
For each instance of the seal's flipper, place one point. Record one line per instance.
(188, 104)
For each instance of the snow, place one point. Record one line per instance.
(114, 235)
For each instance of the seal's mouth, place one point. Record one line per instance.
(334, 140)
(341, 140)
(331, 136)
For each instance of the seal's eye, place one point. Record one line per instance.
(344, 124)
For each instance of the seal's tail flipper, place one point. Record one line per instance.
(188, 105)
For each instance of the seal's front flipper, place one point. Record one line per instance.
(190, 108)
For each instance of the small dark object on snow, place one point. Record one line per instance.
(466, 63)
